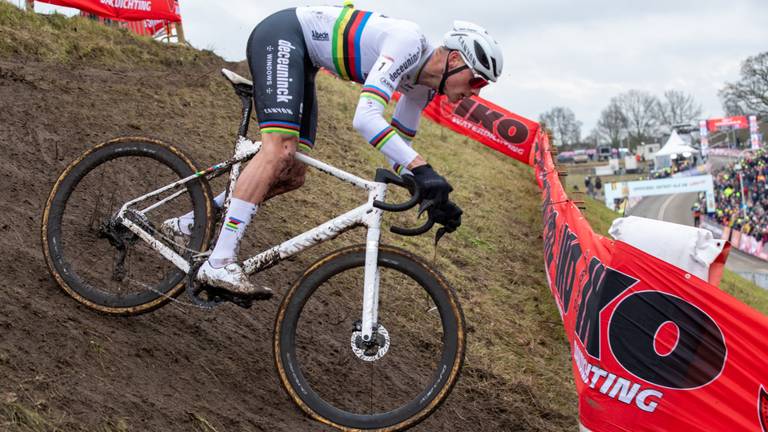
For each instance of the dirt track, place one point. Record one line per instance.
(167, 370)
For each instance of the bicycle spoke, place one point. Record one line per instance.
(368, 387)
(97, 198)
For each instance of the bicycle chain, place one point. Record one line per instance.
(155, 232)
(171, 298)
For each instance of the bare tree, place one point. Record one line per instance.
(593, 138)
(561, 121)
(677, 107)
(639, 108)
(612, 124)
(748, 95)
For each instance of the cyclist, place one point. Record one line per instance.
(384, 54)
(696, 212)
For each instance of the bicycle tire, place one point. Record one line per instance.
(59, 257)
(443, 377)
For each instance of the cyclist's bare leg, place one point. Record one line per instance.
(290, 179)
(268, 166)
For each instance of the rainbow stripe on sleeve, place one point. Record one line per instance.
(405, 132)
(375, 93)
(345, 47)
(287, 128)
(382, 137)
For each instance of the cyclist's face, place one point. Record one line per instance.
(463, 84)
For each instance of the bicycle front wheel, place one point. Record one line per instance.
(97, 260)
(404, 376)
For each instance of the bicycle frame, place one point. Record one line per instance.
(365, 215)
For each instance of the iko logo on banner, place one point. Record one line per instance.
(510, 130)
(655, 336)
(614, 386)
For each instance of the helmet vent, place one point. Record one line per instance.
(481, 57)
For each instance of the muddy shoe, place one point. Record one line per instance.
(173, 230)
(232, 279)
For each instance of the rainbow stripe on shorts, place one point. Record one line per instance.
(282, 127)
(306, 145)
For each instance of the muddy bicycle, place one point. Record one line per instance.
(369, 337)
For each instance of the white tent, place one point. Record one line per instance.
(674, 146)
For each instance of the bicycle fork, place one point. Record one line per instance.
(370, 316)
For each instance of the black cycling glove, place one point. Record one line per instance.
(431, 184)
(447, 214)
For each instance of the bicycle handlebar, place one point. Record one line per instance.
(387, 176)
(413, 231)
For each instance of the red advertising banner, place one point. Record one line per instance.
(654, 348)
(487, 123)
(151, 28)
(125, 10)
(737, 122)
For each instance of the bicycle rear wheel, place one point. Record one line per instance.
(98, 261)
(398, 382)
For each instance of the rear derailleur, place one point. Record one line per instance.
(121, 238)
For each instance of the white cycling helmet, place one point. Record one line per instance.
(478, 49)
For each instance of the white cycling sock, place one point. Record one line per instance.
(235, 222)
(187, 220)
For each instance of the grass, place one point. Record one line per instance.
(58, 39)
(201, 424)
(17, 417)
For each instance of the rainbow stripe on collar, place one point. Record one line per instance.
(345, 48)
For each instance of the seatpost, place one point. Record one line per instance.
(246, 100)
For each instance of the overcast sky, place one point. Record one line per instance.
(576, 54)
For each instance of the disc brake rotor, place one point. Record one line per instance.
(373, 350)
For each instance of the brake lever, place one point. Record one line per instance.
(439, 234)
(426, 205)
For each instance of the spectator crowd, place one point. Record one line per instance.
(678, 165)
(745, 211)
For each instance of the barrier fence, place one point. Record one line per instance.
(653, 347)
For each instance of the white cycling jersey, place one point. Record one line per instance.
(383, 54)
